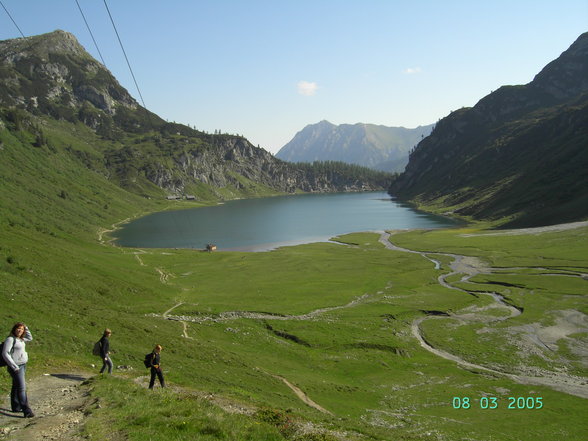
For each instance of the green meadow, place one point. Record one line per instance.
(334, 320)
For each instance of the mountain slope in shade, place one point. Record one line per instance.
(520, 155)
(375, 146)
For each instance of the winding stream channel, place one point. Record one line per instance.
(467, 266)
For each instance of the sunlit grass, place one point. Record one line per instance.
(355, 354)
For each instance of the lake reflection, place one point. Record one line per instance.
(267, 223)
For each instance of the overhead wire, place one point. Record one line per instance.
(91, 34)
(125, 54)
(178, 227)
(21, 33)
(104, 63)
(130, 68)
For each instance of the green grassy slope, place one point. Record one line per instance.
(334, 320)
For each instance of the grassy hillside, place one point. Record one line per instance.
(334, 320)
(526, 172)
(517, 158)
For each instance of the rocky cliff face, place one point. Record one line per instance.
(520, 153)
(52, 75)
(234, 158)
(378, 147)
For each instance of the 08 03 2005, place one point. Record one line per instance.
(495, 402)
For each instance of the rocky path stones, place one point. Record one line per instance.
(58, 401)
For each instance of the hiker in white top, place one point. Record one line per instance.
(16, 357)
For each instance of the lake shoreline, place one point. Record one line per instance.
(263, 224)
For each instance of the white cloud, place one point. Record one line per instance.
(307, 88)
(412, 70)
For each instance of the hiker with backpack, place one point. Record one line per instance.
(15, 356)
(152, 361)
(105, 351)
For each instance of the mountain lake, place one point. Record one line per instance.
(263, 224)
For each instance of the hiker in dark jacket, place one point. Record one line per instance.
(16, 358)
(156, 367)
(105, 351)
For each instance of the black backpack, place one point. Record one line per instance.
(148, 359)
(2, 361)
(97, 349)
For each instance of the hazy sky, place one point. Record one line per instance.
(265, 69)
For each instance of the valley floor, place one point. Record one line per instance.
(61, 400)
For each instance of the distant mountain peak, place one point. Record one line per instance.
(370, 145)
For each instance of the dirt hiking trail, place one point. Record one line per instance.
(58, 401)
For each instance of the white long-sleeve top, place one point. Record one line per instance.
(14, 350)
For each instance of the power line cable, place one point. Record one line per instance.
(23, 35)
(125, 54)
(91, 34)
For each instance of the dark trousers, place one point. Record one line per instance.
(18, 394)
(159, 374)
(106, 364)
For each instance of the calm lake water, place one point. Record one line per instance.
(267, 223)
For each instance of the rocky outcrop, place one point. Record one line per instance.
(54, 74)
(236, 163)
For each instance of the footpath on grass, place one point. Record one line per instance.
(62, 402)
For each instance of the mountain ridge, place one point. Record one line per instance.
(370, 145)
(518, 155)
(51, 78)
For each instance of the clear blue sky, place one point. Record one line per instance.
(265, 69)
